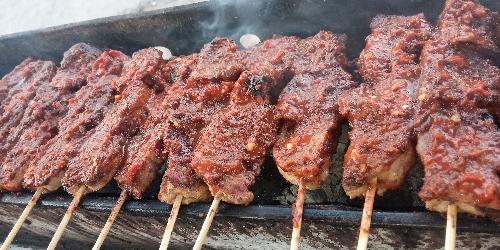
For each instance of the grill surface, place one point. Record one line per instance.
(331, 219)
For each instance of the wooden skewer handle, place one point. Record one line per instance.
(67, 216)
(451, 228)
(110, 221)
(21, 219)
(171, 222)
(298, 210)
(364, 230)
(206, 225)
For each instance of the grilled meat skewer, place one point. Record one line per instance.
(458, 104)
(381, 111)
(309, 110)
(103, 153)
(39, 122)
(22, 83)
(87, 109)
(145, 151)
(191, 104)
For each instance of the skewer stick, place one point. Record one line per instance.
(67, 216)
(451, 227)
(111, 219)
(206, 225)
(298, 211)
(171, 222)
(364, 230)
(21, 219)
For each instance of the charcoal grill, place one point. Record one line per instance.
(331, 220)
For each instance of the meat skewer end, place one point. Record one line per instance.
(389, 177)
(451, 227)
(22, 218)
(364, 230)
(196, 193)
(206, 224)
(171, 222)
(298, 211)
(111, 219)
(67, 216)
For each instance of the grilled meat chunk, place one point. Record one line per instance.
(145, 151)
(86, 110)
(23, 83)
(102, 154)
(308, 109)
(458, 139)
(13, 78)
(231, 149)
(202, 91)
(40, 119)
(381, 111)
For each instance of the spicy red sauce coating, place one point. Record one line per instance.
(13, 78)
(308, 109)
(145, 151)
(103, 152)
(86, 110)
(201, 92)
(381, 111)
(232, 147)
(459, 138)
(23, 82)
(40, 119)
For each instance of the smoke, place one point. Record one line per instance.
(234, 18)
(185, 29)
(264, 18)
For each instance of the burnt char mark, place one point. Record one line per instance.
(254, 84)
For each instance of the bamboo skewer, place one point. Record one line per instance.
(364, 230)
(67, 216)
(22, 218)
(110, 221)
(206, 224)
(451, 227)
(171, 222)
(298, 210)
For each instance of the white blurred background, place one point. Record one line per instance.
(24, 15)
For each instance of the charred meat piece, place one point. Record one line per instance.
(458, 139)
(145, 151)
(86, 110)
(308, 109)
(103, 153)
(232, 147)
(13, 78)
(144, 157)
(191, 103)
(40, 119)
(24, 81)
(382, 110)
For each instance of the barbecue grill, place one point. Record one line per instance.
(331, 219)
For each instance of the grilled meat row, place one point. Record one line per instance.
(213, 116)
